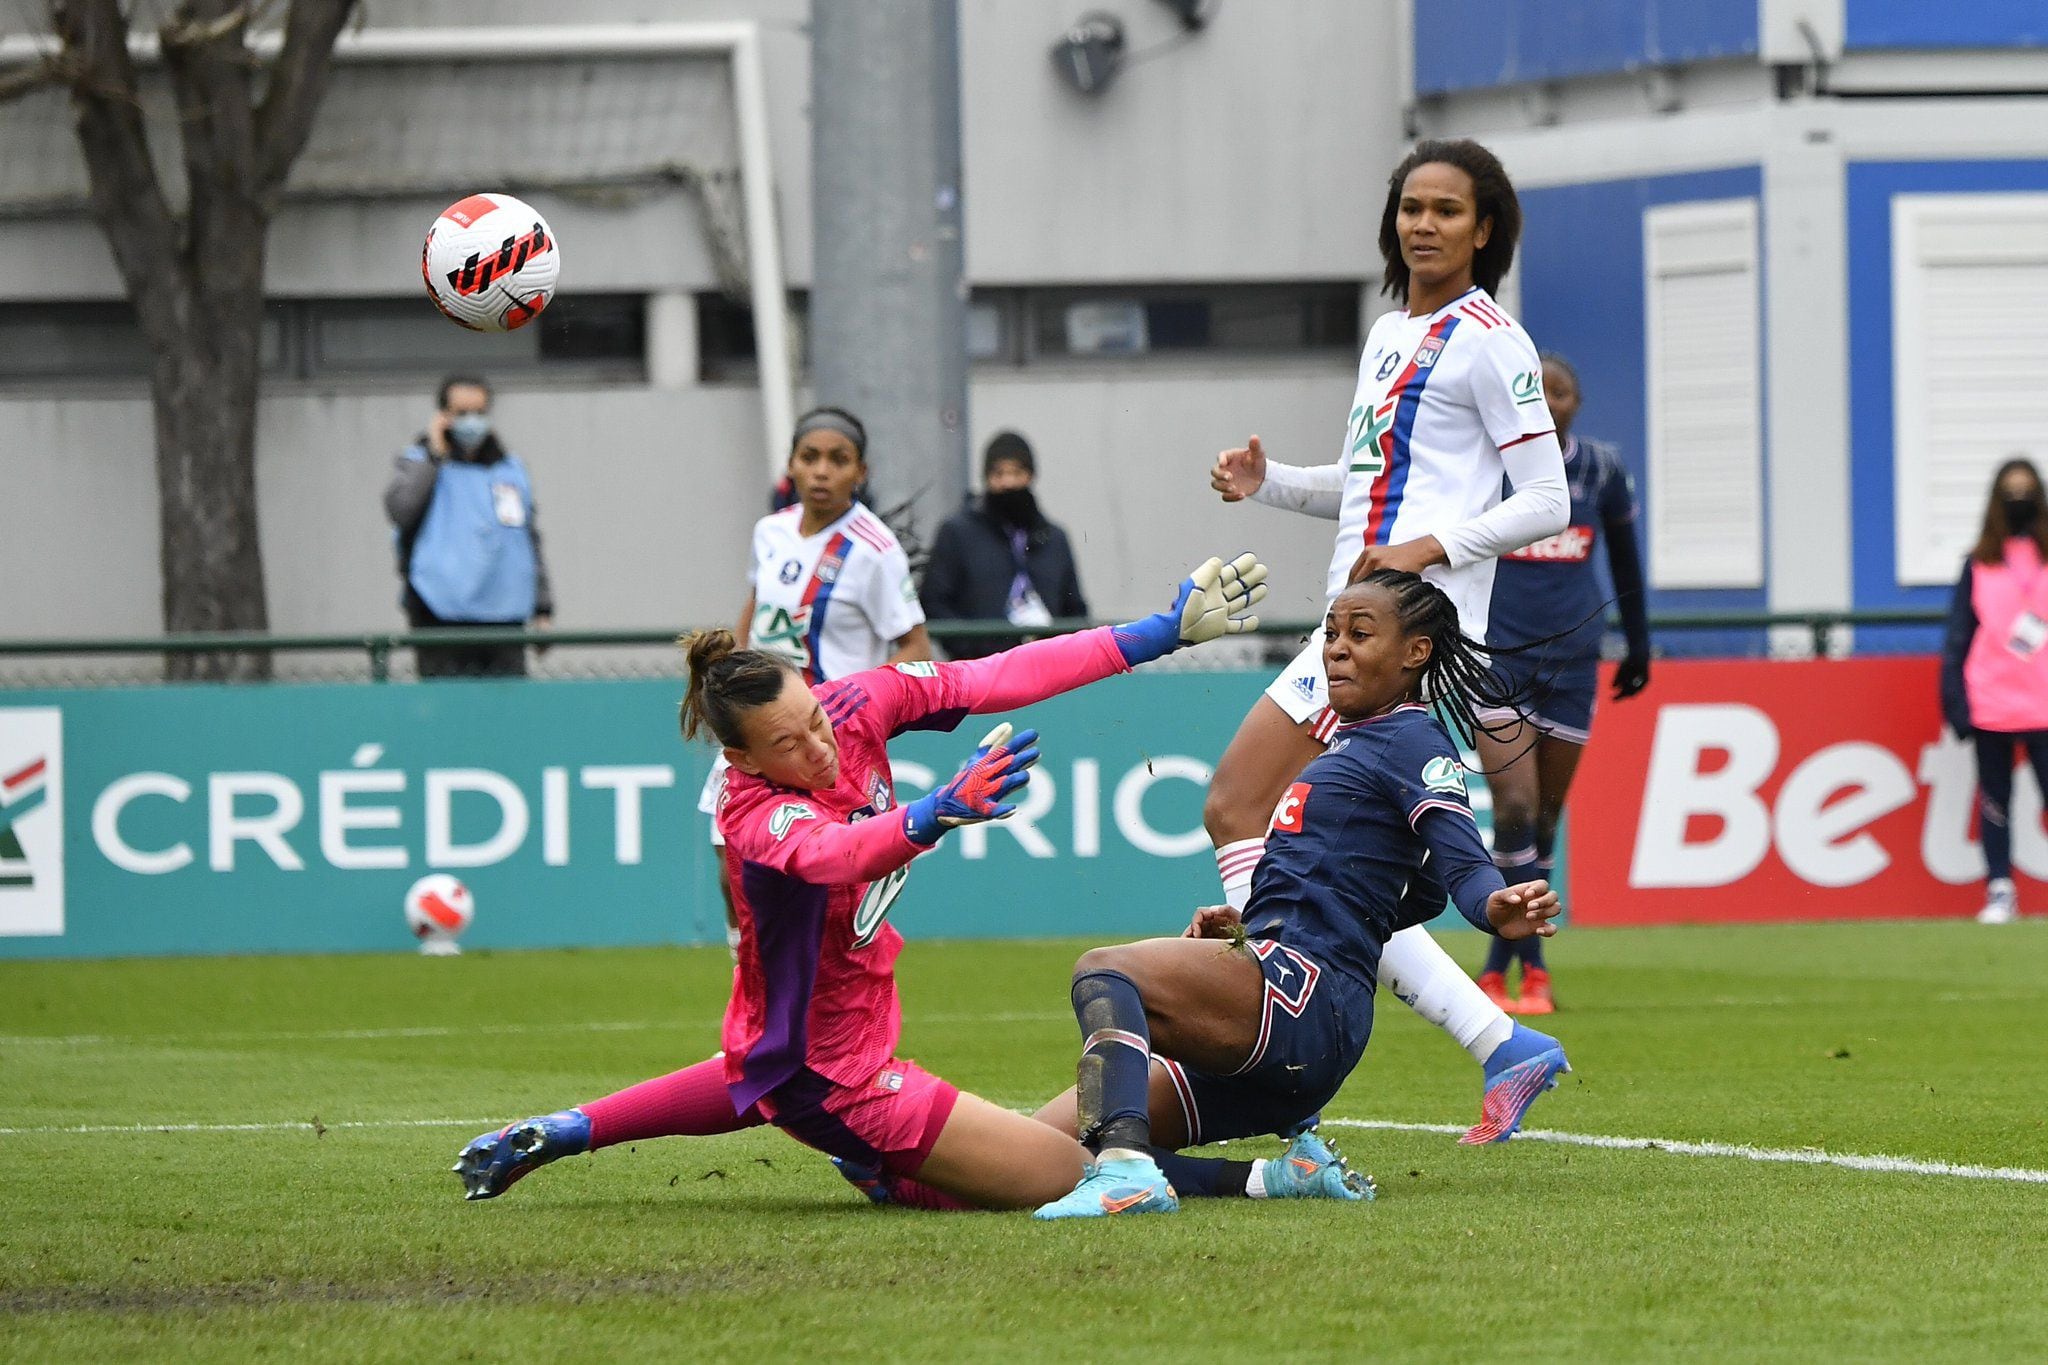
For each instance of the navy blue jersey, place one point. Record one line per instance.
(1549, 588)
(1368, 841)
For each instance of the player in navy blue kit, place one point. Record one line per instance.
(1256, 1035)
(1548, 592)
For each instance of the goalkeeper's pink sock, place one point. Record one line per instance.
(692, 1102)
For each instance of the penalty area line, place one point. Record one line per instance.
(1786, 1156)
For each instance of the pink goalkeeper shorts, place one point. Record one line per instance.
(890, 1123)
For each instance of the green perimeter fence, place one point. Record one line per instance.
(178, 819)
(376, 654)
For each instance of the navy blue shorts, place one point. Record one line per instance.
(1312, 1032)
(1556, 696)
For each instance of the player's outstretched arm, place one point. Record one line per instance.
(1217, 599)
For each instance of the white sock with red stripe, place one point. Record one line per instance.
(1416, 968)
(1235, 863)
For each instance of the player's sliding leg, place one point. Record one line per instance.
(693, 1102)
(1269, 751)
(1308, 1169)
(1112, 1103)
(989, 1157)
(1200, 1001)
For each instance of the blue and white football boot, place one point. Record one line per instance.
(494, 1162)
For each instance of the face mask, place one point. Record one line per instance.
(2019, 516)
(1013, 507)
(469, 430)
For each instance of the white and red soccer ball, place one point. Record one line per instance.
(491, 262)
(438, 909)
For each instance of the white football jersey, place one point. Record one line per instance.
(1439, 398)
(833, 603)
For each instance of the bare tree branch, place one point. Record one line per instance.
(298, 81)
(127, 199)
(185, 30)
(50, 71)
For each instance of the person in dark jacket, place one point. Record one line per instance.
(462, 512)
(999, 559)
(1994, 669)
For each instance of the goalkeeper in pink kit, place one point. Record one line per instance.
(818, 850)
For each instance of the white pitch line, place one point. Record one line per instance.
(1891, 1165)
(1887, 1165)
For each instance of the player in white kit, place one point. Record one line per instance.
(1449, 398)
(829, 586)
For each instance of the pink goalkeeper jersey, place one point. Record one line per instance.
(814, 872)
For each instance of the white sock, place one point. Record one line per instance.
(1235, 863)
(1255, 1183)
(1417, 969)
(732, 940)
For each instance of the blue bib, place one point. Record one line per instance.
(473, 557)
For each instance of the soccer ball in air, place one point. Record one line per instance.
(491, 262)
(438, 909)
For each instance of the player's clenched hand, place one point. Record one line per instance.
(1239, 471)
(1410, 556)
(1213, 921)
(1523, 911)
(998, 768)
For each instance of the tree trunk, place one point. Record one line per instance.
(196, 278)
(204, 389)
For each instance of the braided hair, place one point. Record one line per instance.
(1457, 680)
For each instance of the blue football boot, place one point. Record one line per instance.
(1116, 1185)
(1312, 1169)
(494, 1162)
(869, 1180)
(1517, 1073)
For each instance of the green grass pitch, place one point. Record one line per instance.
(1910, 1040)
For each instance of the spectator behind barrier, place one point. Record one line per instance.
(998, 558)
(1994, 668)
(463, 518)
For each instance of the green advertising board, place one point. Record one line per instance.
(292, 818)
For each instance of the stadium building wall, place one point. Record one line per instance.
(1845, 126)
(648, 485)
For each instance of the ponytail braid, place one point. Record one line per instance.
(1458, 680)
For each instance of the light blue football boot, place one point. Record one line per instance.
(1312, 1169)
(494, 1162)
(1131, 1183)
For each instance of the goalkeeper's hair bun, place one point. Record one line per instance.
(726, 682)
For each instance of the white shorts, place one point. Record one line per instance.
(714, 789)
(1303, 692)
